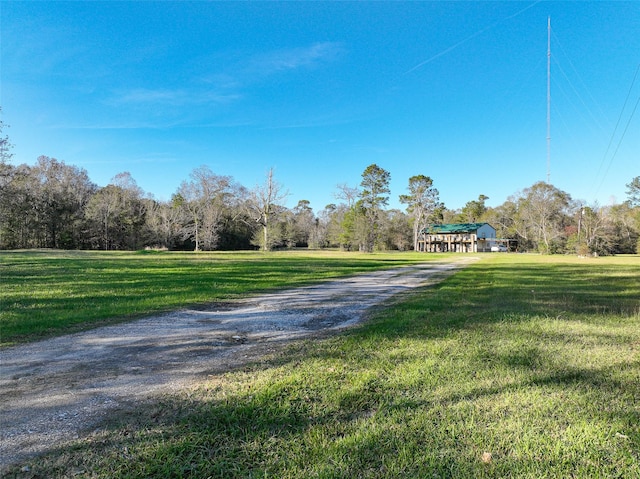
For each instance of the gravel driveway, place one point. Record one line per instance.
(57, 390)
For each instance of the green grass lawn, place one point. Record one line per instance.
(43, 293)
(518, 366)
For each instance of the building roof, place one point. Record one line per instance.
(454, 228)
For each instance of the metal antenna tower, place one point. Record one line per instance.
(548, 99)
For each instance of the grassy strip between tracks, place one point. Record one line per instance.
(518, 366)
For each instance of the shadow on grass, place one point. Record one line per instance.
(286, 430)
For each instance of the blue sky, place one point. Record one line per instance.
(320, 90)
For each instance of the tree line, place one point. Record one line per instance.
(54, 205)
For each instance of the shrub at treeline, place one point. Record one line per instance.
(54, 205)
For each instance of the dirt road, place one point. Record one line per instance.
(59, 389)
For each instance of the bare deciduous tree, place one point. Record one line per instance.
(348, 194)
(118, 211)
(421, 202)
(264, 206)
(203, 201)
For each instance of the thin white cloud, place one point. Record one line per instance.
(296, 58)
(224, 87)
(144, 95)
(152, 125)
(173, 97)
(124, 125)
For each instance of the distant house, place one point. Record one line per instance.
(458, 237)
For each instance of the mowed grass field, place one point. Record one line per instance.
(44, 292)
(517, 366)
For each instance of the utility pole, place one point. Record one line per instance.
(548, 100)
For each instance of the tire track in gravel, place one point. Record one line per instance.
(56, 390)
